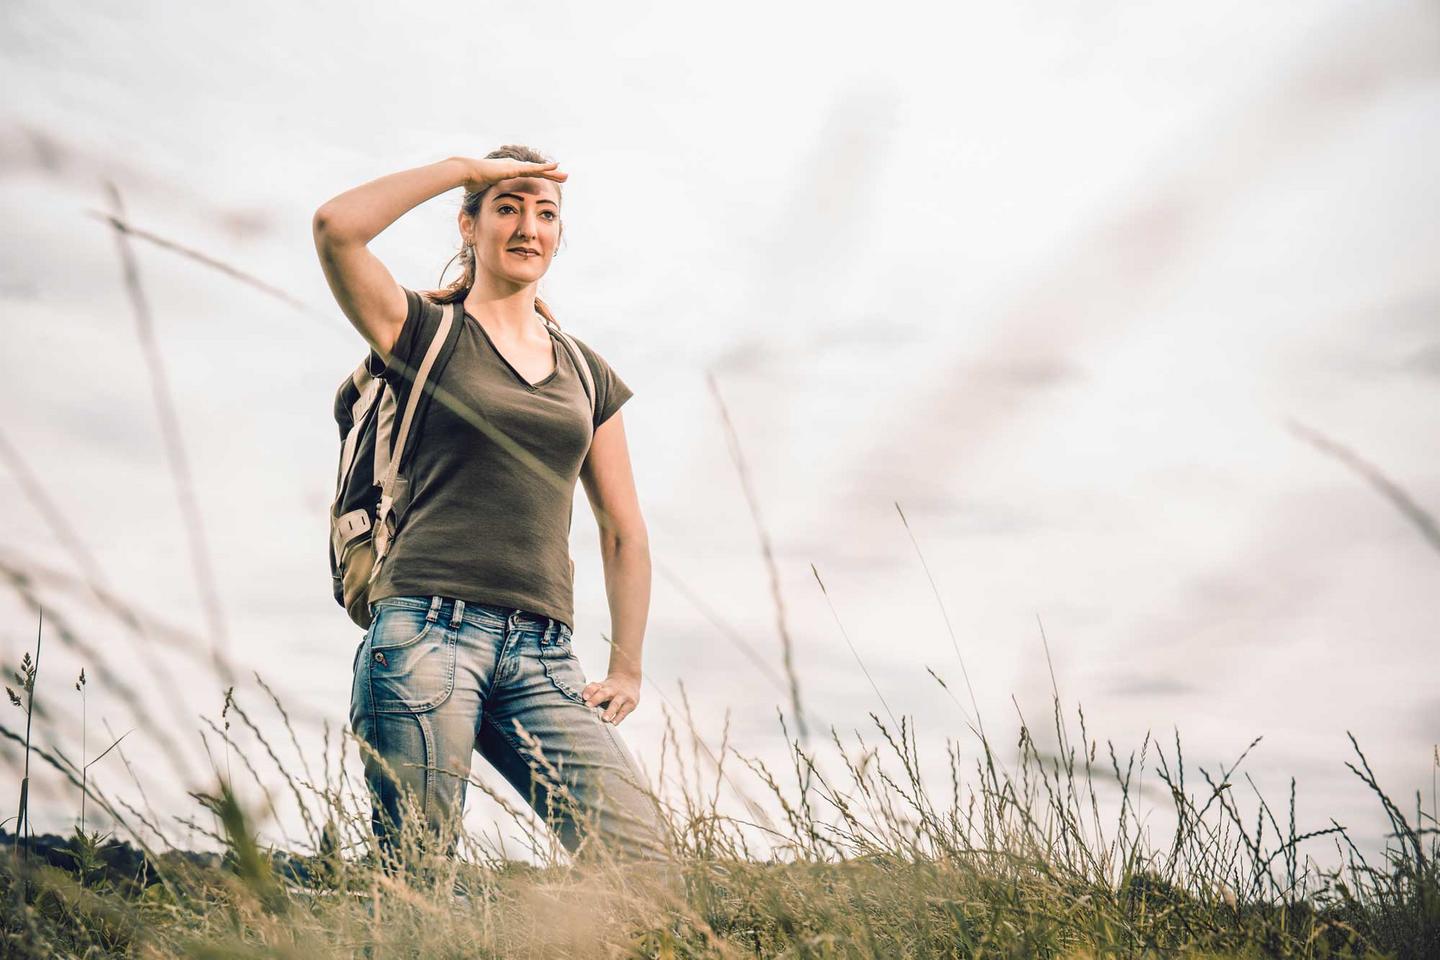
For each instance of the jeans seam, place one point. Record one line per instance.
(629, 770)
(376, 721)
(509, 738)
(509, 653)
(427, 736)
(520, 751)
(403, 603)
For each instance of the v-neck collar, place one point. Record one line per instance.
(554, 355)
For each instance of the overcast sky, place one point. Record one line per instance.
(1057, 281)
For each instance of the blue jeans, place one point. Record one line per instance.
(435, 678)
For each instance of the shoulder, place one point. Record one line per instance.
(611, 390)
(592, 359)
(599, 366)
(422, 305)
(422, 319)
(591, 356)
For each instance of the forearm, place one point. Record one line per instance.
(361, 213)
(627, 588)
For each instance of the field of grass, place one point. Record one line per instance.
(860, 858)
(864, 860)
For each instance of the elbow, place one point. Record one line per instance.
(327, 226)
(628, 542)
(322, 225)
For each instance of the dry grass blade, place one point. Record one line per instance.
(767, 553)
(174, 445)
(1418, 516)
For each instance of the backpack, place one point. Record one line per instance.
(371, 491)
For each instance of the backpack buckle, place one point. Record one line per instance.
(382, 535)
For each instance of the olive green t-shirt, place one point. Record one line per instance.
(492, 471)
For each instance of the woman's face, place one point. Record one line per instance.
(516, 215)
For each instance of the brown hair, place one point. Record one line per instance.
(471, 206)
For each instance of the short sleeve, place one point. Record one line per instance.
(610, 391)
(422, 319)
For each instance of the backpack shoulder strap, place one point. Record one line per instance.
(586, 377)
(422, 376)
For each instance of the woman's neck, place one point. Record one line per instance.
(509, 315)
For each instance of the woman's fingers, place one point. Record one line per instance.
(620, 708)
(488, 172)
(618, 704)
(524, 168)
(549, 171)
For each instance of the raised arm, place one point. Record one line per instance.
(344, 226)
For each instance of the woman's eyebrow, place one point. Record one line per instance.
(518, 197)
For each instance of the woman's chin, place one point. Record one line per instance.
(517, 277)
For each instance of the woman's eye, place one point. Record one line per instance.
(549, 214)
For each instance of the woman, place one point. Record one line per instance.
(470, 643)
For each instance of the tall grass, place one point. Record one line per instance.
(865, 859)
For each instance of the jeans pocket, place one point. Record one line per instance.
(566, 674)
(411, 662)
(398, 624)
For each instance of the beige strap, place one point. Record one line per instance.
(387, 486)
(575, 354)
(579, 359)
(384, 424)
(347, 450)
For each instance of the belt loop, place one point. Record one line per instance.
(458, 614)
(434, 609)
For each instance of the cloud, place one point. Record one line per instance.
(1146, 685)
(1425, 361)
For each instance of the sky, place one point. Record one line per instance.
(1076, 290)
